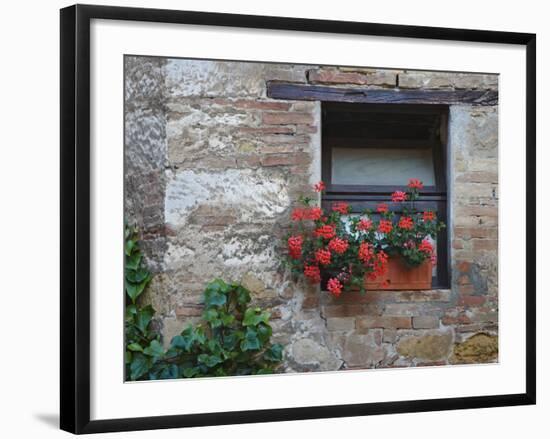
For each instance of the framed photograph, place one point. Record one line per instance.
(273, 218)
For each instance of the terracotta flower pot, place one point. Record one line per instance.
(400, 276)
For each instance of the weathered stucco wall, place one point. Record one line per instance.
(212, 169)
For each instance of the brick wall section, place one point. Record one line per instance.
(224, 165)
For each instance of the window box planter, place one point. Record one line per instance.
(398, 276)
(401, 276)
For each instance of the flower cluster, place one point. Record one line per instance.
(345, 250)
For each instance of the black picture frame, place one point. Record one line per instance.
(75, 217)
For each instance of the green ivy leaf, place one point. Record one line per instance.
(274, 353)
(227, 319)
(169, 372)
(133, 261)
(143, 318)
(140, 366)
(264, 371)
(253, 317)
(243, 295)
(264, 332)
(190, 372)
(214, 297)
(184, 342)
(210, 315)
(134, 290)
(209, 360)
(251, 341)
(130, 243)
(135, 347)
(137, 276)
(154, 349)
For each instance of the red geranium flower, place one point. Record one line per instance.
(398, 196)
(406, 223)
(335, 287)
(297, 214)
(295, 246)
(426, 246)
(428, 215)
(319, 187)
(322, 256)
(341, 207)
(415, 183)
(366, 252)
(313, 213)
(385, 226)
(364, 224)
(327, 231)
(313, 273)
(338, 245)
(382, 208)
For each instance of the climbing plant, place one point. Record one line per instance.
(233, 338)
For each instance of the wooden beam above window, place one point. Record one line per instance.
(294, 91)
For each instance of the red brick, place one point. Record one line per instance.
(454, 320)
(336, 77)
(344, 310)
(262, 105)
(268, 130)
(464, 266)
(286, 159)
(287, 118)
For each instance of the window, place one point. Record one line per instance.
(371, 150)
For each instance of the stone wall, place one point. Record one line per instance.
(213, 167)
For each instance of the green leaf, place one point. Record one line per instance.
(143, 318)
(154, 349)
(133, 261)
(169, 372)
(252, 317)
(183, 342)
(130, 243)
(251, 341)
(274, 353)
(227, 319)
(134, 290)
(215, 293)
(137, 276)
(190, 372)
(209, 360)
(264, 332)
(210, 314)
(135, 347)
(140, 366)
(131, 311)
(243, 295)
(264, 371)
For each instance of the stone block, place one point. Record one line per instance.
(340, 323)
(425, 322)
(426, 347)
(480, 348)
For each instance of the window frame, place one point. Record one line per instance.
(361, 197)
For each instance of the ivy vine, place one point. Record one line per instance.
(233, 339)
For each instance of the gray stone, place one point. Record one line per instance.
(308, 353)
